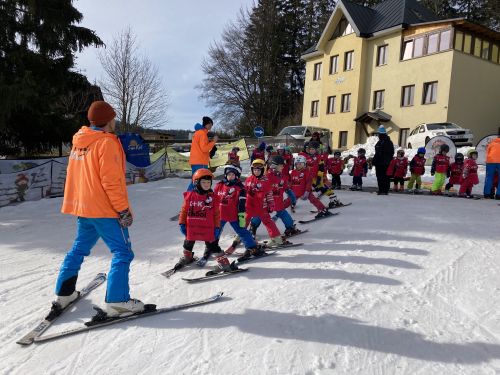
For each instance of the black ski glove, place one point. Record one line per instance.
(126, 218)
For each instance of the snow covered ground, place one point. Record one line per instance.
(395, 284)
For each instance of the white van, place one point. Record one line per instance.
(305, 132)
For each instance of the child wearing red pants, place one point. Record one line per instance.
(469, 175)
(301, 185)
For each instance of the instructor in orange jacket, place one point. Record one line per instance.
(96, 194)
(199, 156)
(492, 168)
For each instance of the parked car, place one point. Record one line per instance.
(305, 132)
(424, 132)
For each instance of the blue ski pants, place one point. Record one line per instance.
(491, 168)
(243, 233)
(118, 241)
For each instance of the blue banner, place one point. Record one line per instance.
(136, 150)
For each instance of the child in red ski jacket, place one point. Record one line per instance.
(233, 158)
(317, 173)
(288, 159)
(469, 175)
(279, 185)
(397, 170)
(417, 169)
(440, 169)
(231, 195)
(259, 152)
(456, 170)
(301, 185)
(199, 220)
(359, 170)
(260, 202)
(335, 166)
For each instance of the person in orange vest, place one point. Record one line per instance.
(492, 168)
(96, 193)
(199, 155)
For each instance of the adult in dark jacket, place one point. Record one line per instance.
(384, 152)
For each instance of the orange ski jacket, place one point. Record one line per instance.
(200, 148)
(95, 181)
(493, 151)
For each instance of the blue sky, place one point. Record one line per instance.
(174, 34)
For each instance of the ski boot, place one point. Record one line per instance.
(202, 261)
(184, 260)
(121, 309)
(322, 213)
(292, 231)
(353, 188)
(334, 202)
(255, 251)
(276, 242)
(63, 301)
(223, 265)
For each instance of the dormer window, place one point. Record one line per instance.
(343, 28)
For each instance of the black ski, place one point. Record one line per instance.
(215, 276)
(319, 218)
(266, 254)
(173, 270)
(283, 246)
(103, 321)
(56, 312)
(175, 218)
(302, 231)
(333, 208)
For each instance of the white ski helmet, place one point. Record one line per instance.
(232, 168)
(300, 159)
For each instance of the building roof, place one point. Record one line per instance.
(392, 13)
(385, 15)
(388, 14)
(377, 115)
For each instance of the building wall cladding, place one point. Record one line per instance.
(475, 95)
(398, 73)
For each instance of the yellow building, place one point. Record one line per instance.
(398, 64)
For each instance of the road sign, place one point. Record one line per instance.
(258, 131)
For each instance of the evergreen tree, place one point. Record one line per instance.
(37, 54)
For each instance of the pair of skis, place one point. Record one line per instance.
(223, 274)
(101, 319)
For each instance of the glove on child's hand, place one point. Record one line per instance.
(241, 220)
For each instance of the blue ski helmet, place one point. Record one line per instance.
(421, 150)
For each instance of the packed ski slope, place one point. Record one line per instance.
(395, 284)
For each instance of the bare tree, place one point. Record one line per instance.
(133, 84)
